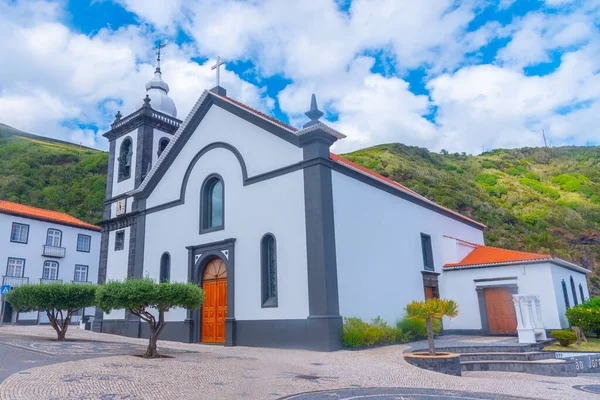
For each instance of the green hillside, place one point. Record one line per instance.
(542, 200)
(52, 174)
(532, 199)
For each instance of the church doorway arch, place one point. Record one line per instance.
(214, 308)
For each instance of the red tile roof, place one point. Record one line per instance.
(484, 255)
(8, 207)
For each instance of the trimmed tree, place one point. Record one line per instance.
(59, 301)
(149, 300)
(428, 311)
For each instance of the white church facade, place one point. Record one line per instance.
(285, 237)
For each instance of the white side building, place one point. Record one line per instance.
(43, 246)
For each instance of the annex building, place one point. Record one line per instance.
(287, 238)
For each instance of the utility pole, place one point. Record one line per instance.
(544, 136)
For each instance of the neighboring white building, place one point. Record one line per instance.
(285, 237)
(42, 246)
(482, 279)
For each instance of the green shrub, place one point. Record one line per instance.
(531, 175)
(586, 316)
(357, 334)
(539, 187)
(487, 164)
(564, 337)
(513, 171)
(417, 328)
(488, 179)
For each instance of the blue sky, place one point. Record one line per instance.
(458, 75)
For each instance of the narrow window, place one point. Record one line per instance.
(119, 240)
(53, 238)
(565, 294)
(15, 267)
(125, 154)
(581, 293)
(162, 145)
(19, 233)
(50, 271)
(574, 292)
(269, 271)
(165, 268)
(84, 243)
(212, 203)
(81, 273)
(427, 252)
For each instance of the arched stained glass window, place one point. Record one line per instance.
(212, 204)
(165, 268)
(574, 292)
(269, 271)
(565, 294)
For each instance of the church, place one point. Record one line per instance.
(287, 238)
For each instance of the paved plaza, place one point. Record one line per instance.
(100, 366)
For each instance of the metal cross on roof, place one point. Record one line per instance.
(217, 66)
(158, 48)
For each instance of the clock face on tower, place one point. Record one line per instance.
(121, 207)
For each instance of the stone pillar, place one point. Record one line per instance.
(525, 327)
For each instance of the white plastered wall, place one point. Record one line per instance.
(262, 151)
(378, 248)
(157, 135)
(271, 206)
(117, 264)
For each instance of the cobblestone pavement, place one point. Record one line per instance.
(215, 372)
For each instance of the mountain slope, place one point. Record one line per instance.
(532, 199)
(542, 200)
(52, 174)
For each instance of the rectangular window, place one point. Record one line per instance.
(427, 252)
(53, 238)
(83, 243)
(50, 271)
(15, 267)
(19, 233)
(81, 273)
(119, 240)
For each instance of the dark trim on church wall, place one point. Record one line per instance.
(323, 300)
(142, 116)
(111, 169)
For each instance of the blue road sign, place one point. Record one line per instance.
(5, 289)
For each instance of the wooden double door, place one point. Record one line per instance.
(214, 308)
(500, 310)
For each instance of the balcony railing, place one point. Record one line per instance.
(83, 282)
(15, 281)
(42, 280)
(56, 252)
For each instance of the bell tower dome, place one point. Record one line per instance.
(158, 91)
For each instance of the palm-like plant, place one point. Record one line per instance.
(427, 311)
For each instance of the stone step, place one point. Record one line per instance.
(498, 348)
(549, 367)
(507, 356)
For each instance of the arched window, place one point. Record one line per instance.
(212, 204)
(565, 294)
(581, 293)
(53, 238)
(125, 154)
(268, 251)
(50, 271)
(165, 268)
(162, 145)
(574, 292)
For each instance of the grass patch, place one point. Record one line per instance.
(592, 345)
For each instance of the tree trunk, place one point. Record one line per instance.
(151, 351)
(429, 325)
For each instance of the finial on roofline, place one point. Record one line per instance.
(314, 113)
(158, 48)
